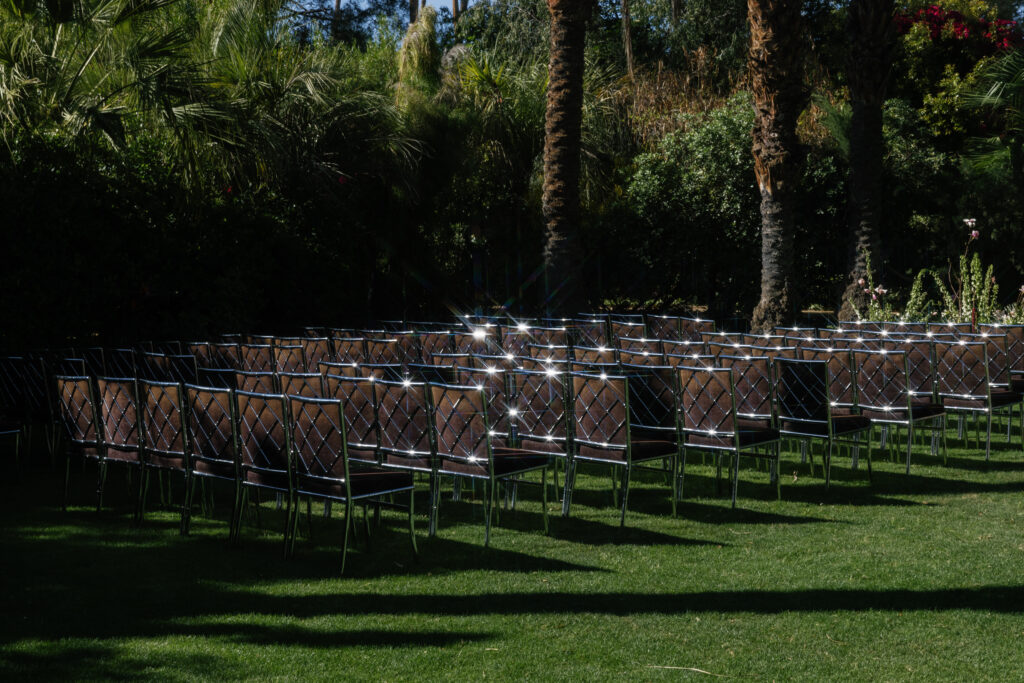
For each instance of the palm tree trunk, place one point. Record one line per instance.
(627, 38)
(776, 74)
(414, 7)
(872, 34)
(562, 138)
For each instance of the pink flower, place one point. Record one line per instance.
(1022, 289)
(975, 234)
(860, 282)
(874, 297)
(880, 290)
(867, 290)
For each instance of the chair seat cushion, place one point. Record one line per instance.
(267, 478)
(918, 411)
(1000, 399)
(415, 462)
(841, 424)
(358, 454)
(748, 437)
(364, 482)
(224, 469)
(166, 460)
(129, 455)
(541, 445)
(506, 461)
(641, 450)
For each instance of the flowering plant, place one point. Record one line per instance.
(972, 295)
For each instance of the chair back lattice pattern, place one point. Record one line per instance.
(682, 347)
(341, 369)
(403, 416)
(594, 356)
(359, 408)
(318, 439)
(78, 409)
(384, 352)
(842, 380)
(305, 384)
(539, 400)
(626, 329)
(652, 396)
(163, 420)
(706, 401)
(641, 358)
(1014, 343)
(315, 350)
(590, 332)
(752, 385)
(349, 349)
(600, 410)
(802, 390)
(289, 358)
(162, 367)
(256, 382)
(119, 403)
(263, 433)
(119, 363)
(919, 354)
(225, 356)
(478, 342)
(460, 424)
(549, 352)
(961, 369)
(212, 425)
(435, 374)
(882, 379)
(257, 357)
(494, 383)
(639, 344)
(998, 358)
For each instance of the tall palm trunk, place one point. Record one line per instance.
(776, 59)
(872, 34)
(562, 137)
(627, 38)
(414, 7)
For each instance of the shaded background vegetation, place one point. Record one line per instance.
(177, 169)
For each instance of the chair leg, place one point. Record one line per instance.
(570, 482)
(988, 435)
(140, 504)
(345, 534)
(827, 464)
(101, 480)
(291, 507)
(778, 469)
(292, 527)
(910, 443)
(412, 522)
(186, 503)
(544, 497)
(869, 457)
(673, 467)
(435, 498)
(718, 472)
(489, 494)
(625, 494)
(682, 474)
(735, 477)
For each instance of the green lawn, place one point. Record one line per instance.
(915, 577)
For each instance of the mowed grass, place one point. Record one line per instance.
(909, 578)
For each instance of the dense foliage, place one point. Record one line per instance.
(177, 168)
